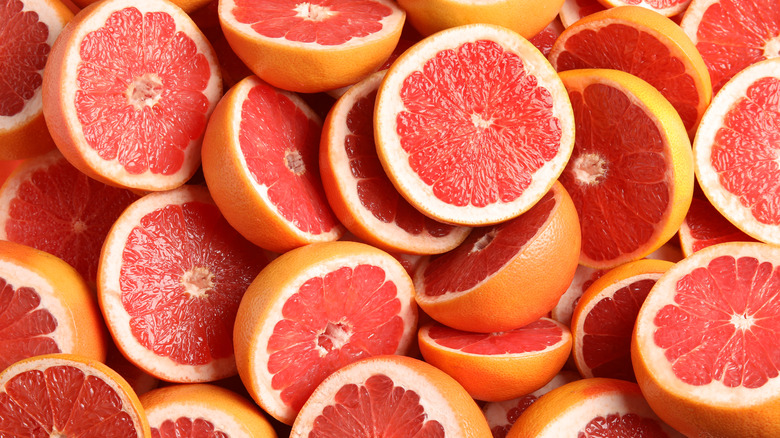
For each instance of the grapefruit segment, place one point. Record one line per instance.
(704, 226)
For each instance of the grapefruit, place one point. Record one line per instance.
(667, 8)
(704, 226)
(573, 10)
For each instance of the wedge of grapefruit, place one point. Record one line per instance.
(704, 226)
(545, 39)
(573, 10)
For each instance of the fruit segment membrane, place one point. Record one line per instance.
(536, 336)
(617, 426)
(25, 329)
(187, 427)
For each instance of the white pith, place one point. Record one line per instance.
(667, 12)
(565, 307)
(569, 13)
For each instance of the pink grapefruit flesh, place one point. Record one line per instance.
(186, 427)
(535, 336)
(24, 327)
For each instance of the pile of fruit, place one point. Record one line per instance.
(369, 218)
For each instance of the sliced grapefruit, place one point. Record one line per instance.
(315, 309)
(646, 44)
(171, 275)
(736, 151)
(68, 395)
(201, 410)
(312, 46)
(631, 173)
(705, 345)
(45, 307)
(573, 10)
(472, 125)
(732, 34)
(50, 205)
(704, 226)
(390, 396)
(545, 39)
(29, 28)
(260, 163)
(504, 276)
(360, 192)
(498, 366)
(667, 8)
(584, 276)
(127, 91)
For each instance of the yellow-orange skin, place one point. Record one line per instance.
(231, 183)
(301, 68)
(526, 17)
(497, 377)
(242, 411)
(524, 290)
(91, 336)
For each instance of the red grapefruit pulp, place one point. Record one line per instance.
(704, 226)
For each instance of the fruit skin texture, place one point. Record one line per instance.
(526, 288)
(526, 17)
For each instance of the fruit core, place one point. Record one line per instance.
(772, 48)
(311, 12)
(198, 281)
(294, 161)
(144, 90)
(589, 169)
(333, 337)
(484, 241)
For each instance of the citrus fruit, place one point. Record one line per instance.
(584, 276)
(50, 205)
(188, 6)
(545, 39)
(603, 320)
(260, 163)
(312, 46)
(315, 309)
(705, 345)
(504, 276)
(472, 125)
(526, 17)
(29, 29)
(732, 34)
(390, 396)
(359, 191)
(171, 275)
(498, 366)
(646, 44)
(664, 7)
(127, 91)
(704, 226)
(595, 407)
(502, 415)
(45, 307)
(573, 10)
(631, 173)
(62, 395)
(192, 410)
(735, 151)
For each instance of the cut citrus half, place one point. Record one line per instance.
(595, 407)
(315, 309)
(472, 125)
(361, 194)
(646, 44)
(631, 173)
(584, 276)
(732, 34)
(312, 46)
(127, 91)
(50, 205)
(390, 396)
(260, 156)
(171, 275)
(68, 395)
(45, 307)
(545, 39)
(29, 28)
(736, 151)
(526, 17)
(201, 410)
(705, 345)
(667, 8)
(704, 226)
(603, 321)
(504, 276)
(498, 366)
(573, 10)
(502, 415)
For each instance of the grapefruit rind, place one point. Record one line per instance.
(668, 11)
(727, 203)
(395, 160)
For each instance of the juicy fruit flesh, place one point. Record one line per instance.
(723, 324)
(184, 271)
(536, 336)
(62, 401)
(614, 166)
(476, 125)
(61, 211)
(746, 152)
(708, 227)
(140, 91)
(618, 426)
(501, 430)
(377, 194)
(324, 22)
(331, 321)
(375, 408)
(280, 145)
(485, 251)
(733, 34)
(185, 427)
(24, 327)
(24, 51)
(623, 47)
(655, 4)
